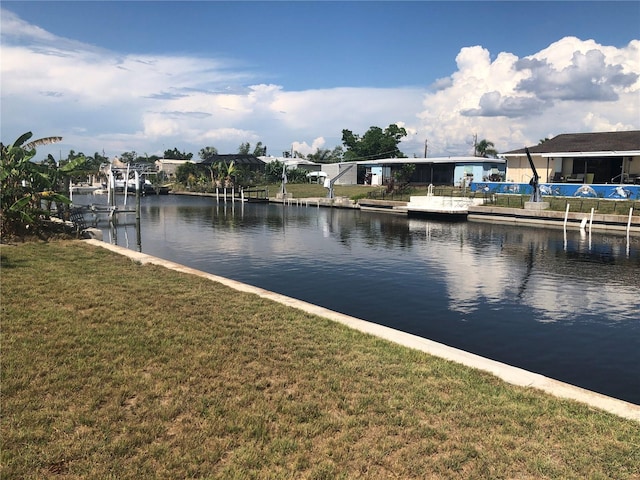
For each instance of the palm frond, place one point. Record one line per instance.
(42, 141)
(23, 138)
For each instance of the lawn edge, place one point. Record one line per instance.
(510, 374)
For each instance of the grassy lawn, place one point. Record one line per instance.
(311, 190)
(111, 369)
(576, 204)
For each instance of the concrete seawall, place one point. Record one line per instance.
(477, 213)
(555, 219)
(488, 213)
(507, 373)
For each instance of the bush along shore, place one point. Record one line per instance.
(112, 369)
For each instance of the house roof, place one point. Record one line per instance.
(236, 158)
(619, 143)
(435, 160)
(289, 161)
(169, 161)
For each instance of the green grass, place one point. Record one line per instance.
(582, 205)
(311, 190)
(111, 369)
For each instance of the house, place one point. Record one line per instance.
(240, 160)
(456, 171)
(168, 166)
(581, 158)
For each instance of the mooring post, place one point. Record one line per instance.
(138, 233)
(111, 187)
(137, 180)
(629, 227)
(126, 185)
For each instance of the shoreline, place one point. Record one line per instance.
(609, 223)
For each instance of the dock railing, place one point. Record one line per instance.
(253, 194)
(432, 190)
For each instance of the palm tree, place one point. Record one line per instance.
(260, 150)
(207, 152)
(223, 173)
(484, 148)
(230, 173)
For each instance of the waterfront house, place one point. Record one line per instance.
(246, 161)
(455, 171)
(168, 167)
(581, 158)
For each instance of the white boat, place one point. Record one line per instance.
(83, 189)
(146, 187)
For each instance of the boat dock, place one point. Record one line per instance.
(448, 206)
(84, 215)
(628, 223)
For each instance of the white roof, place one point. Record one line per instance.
(288, 161)
(173, 160)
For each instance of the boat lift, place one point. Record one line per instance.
(110, 210)
(328, 183)
(536, 196)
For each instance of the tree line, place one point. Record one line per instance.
(30, 190)
(376, 143)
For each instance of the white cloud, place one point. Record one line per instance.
(587, 78)
(102, 100)
(571, 86)
(305, 149)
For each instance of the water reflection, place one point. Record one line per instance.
(531, 267)
(525, 296)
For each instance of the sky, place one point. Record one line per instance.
(145, 77)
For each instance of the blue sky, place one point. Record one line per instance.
(148, 76)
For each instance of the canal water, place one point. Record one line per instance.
(567, 307)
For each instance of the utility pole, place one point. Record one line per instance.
(475, 144)
(425, 148)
